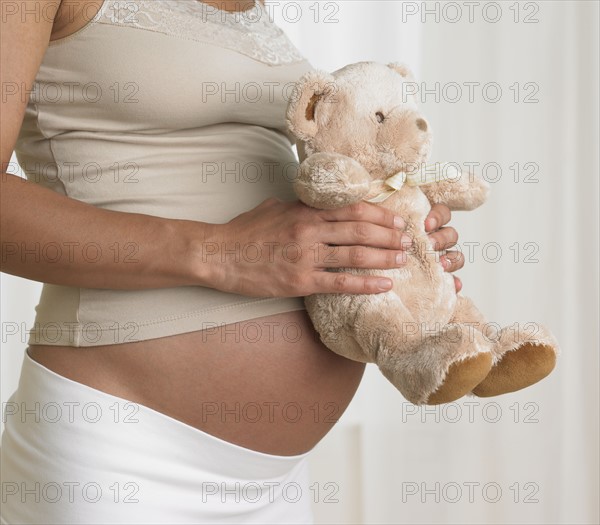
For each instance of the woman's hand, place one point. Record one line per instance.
(283, 249)
(444, 237)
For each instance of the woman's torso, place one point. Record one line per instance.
(266, 383)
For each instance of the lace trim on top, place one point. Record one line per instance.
(250, 32)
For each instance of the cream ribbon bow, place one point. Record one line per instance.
(426, 175)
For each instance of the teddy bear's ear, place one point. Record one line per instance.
(310, 92)
(403, 70)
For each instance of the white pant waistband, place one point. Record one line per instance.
(73, 454)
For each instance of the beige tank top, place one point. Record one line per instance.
(170, 108)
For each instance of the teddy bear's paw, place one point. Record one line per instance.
(461, 378)
(464, 359)
(521, 359)
(330, 180)
(440, 367)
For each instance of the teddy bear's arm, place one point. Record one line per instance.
(330, 180)
(463, 193)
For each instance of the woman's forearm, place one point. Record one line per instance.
(54, 239)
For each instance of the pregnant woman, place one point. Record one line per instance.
(172, 374)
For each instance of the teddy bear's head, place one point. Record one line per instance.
(361, 111)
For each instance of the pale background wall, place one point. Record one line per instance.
(529, 457)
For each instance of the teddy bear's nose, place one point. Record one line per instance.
(421, 124)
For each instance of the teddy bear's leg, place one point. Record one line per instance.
(426, 366)
(332, 318)
(521, 358)
(469, 318)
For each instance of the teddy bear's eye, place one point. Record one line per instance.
(380, 117)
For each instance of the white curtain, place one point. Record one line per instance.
(532, 250)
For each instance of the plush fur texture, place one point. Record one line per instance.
(356, 128)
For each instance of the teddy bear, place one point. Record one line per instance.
(360, 136)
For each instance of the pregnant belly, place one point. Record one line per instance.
(267, 384)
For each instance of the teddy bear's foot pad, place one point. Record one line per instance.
(461, 378)
(518, 369)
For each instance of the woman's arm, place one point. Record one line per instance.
(51, 238)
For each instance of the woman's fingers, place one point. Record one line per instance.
(439, 216)
(444, 238)
(452, 261)
(457, 284)
(339, 282)
(365, 257)
(364, 233)
(366, 212)
(359, 257)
